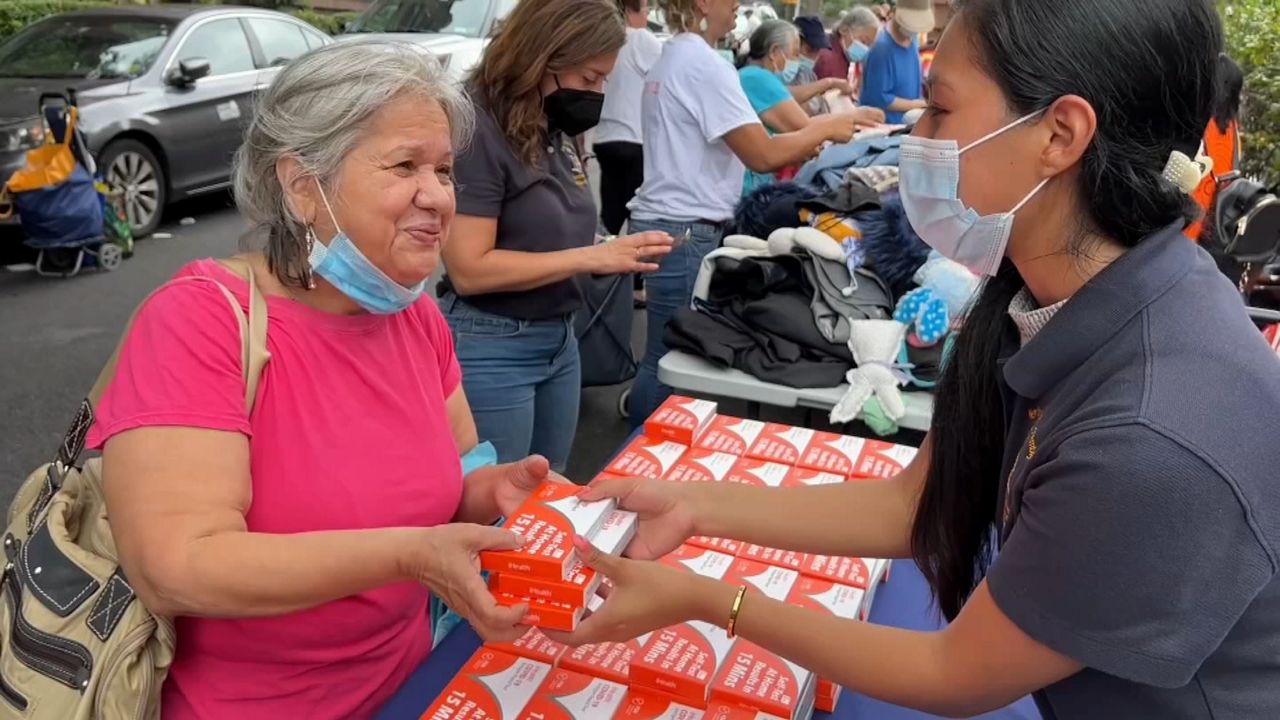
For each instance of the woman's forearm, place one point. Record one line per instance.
(515, 271)
(248, 574)
(864, 518)
(805, 93)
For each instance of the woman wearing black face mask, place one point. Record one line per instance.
(526, 224)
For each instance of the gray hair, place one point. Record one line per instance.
(771, 34)
(859, 18)
(316, 110)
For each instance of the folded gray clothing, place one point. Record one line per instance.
(868, 299)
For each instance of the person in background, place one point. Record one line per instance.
(1221, 138)
(619, 144)
(700, 135)
(773, 58)
(893, 79)
(850, 42)
(813, 40)
(1082, 424)
(526, 224)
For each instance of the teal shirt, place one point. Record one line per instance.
(764, 90)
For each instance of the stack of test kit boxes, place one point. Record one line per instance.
(546, 573)
(692, 671)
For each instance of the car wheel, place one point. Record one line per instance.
(131, 168)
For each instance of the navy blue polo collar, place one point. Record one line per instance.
(1099, 310)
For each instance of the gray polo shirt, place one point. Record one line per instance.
(538, 209)
(1140, 495)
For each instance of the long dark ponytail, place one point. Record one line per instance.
(1148, 71)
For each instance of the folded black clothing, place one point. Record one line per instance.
(723, 340)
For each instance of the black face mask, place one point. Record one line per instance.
(571, 111)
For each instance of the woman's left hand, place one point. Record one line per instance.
(515, 481)
(634, 605)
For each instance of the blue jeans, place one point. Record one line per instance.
(522, 379)
(667, 290)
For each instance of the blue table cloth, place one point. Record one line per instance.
(902, 602)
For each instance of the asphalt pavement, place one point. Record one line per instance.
(57, 333)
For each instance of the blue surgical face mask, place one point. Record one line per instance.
(806, 63)
(343, 265)
(788, 73)
(929, 183)
(857, 51)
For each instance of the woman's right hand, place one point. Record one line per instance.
(447, 561)
(629, 253)
(665, 510)
(839, 127)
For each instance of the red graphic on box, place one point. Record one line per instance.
(781, 444)
(702, 561)
(761, 473)
(567, 695)
(804, 477)
(772, 556)
(702, 466)
(492, 685)
(643, 705)
(534, 646)
(754, 677)
(681, 661)
(856, 457)
(724, 545)
(607, 661)
(647, 457)
(771, 581)
(731, 435)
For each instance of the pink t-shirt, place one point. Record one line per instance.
(349, 430)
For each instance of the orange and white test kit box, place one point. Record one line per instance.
(781, 444)
(769, 580)
(681, 661)
(533, 645)
(704, 562)
(612, 537)
(788, 559)
(702, 466)
(548, 615)
(681, 419)
(493, 685)
(647, 457)
(607, 661)
(644, 705)
(549, 520)
(855, 457)
(731, 435)
(567, 695)
(761, 473)
(754, 677)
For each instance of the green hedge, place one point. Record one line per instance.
(17, 14)
(1252, 28)
(331, 23)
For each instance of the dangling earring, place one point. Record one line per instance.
(704, 25)
(307, 277)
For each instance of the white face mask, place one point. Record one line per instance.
(929, 182)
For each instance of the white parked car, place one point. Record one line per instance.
(455, 31)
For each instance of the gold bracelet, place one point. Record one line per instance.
(737, 608)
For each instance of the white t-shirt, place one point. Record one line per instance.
(620, 118)
(691, 100)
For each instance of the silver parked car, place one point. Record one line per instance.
(165, 92)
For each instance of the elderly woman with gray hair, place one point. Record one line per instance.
(771, 63)
(298, 544)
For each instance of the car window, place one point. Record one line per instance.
(281, 40)
(84, 46)
(314, 40)
(454, 17)
(222, 43)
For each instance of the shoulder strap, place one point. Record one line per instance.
(253, 333)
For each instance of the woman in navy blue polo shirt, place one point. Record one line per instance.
(1108, 418)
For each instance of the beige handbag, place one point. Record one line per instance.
(75, 642)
